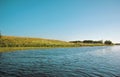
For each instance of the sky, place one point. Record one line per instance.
(61, 19)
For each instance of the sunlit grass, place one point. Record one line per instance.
(11, 43)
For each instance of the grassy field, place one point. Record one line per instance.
(12, 41)
(9, 43)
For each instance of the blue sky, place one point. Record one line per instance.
(61, 19)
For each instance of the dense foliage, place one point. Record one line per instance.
(108, 42)
(88, 41)
(92, 42)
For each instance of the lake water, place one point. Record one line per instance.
(99, 61)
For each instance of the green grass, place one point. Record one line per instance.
(11, 43)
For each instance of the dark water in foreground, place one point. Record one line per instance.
(62, 62)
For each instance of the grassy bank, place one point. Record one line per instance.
(6, 49)
(11, 43)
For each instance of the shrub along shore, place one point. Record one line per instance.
(10, 43)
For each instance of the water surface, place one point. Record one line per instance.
(99, 61)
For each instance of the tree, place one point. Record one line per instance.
(88, 41)
(108, 42)
(100, 41)
(75, 41)
(0, 35)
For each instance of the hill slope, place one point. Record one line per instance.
(12, 41)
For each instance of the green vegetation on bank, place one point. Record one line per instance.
(11, 41)
(117, 43)
(107, 42)
(8, 43)
(4, 49)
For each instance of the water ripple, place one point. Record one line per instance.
(62, 62)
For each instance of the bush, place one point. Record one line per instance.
(108, 42)
(0, 35)
(88, 41)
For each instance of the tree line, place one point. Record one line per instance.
(107, 42)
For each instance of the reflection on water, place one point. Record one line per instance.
(62, 62)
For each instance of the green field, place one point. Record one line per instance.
(12, 41)
(8, 43)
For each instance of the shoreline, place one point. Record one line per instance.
(10, 49)
(13, 43)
